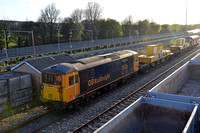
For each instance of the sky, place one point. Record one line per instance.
(159, 11)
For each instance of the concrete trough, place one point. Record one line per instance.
(150, 115)
(15, 92)
(15, 81)
(14, 84)
(25, 81)
(20, 94)
(3, 87)
(182, 85)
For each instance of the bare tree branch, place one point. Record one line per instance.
(93, 11)
(49, 16)
(77, 16)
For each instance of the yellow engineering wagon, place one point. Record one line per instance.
(177, 45)
(154, 53)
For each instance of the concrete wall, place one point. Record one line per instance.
(173, 82)
(35, 77)
(153, 115)
(194, 71)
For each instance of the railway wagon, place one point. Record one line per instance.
(67, 82)
(178, 45)
(182, 85)
(152, 115)
(192, 40)
(154, 55)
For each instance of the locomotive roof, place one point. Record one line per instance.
(61, 68)
(89, 62)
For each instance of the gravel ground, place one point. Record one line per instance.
(80, 117)
(21, 117)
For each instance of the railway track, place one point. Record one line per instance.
(12, 129)
(105, 116)
(108, 114)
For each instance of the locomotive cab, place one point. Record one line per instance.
(60, 83)
(51, 86)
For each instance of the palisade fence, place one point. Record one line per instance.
(42, 49)
(133, 47)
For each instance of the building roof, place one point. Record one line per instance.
(40, 63)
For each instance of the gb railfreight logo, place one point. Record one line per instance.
(99, 79)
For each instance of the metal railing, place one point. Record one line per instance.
(42, 49)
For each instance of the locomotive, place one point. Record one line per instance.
(69, 83)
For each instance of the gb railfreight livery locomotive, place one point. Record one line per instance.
(66, 82)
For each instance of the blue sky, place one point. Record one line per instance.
(160, 11)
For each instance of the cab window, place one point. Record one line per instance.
(71, 80)
(53, 79)
(76, 78)
(44, 78)
(58, 80)
(50, 78)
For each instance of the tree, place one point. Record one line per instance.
(174, 28)
(127, 26)
(143, 27)
(109, 28)
(4, 25)
(48, 18)
(165, 28)
(68, 24)
(154, 28)
(77, 16)
(93, 13)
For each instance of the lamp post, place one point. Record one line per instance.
(5, 43)
(58, 40)
(129, 32)
(186, 19)
(107, 33)
(70, 39)
(111, 33)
